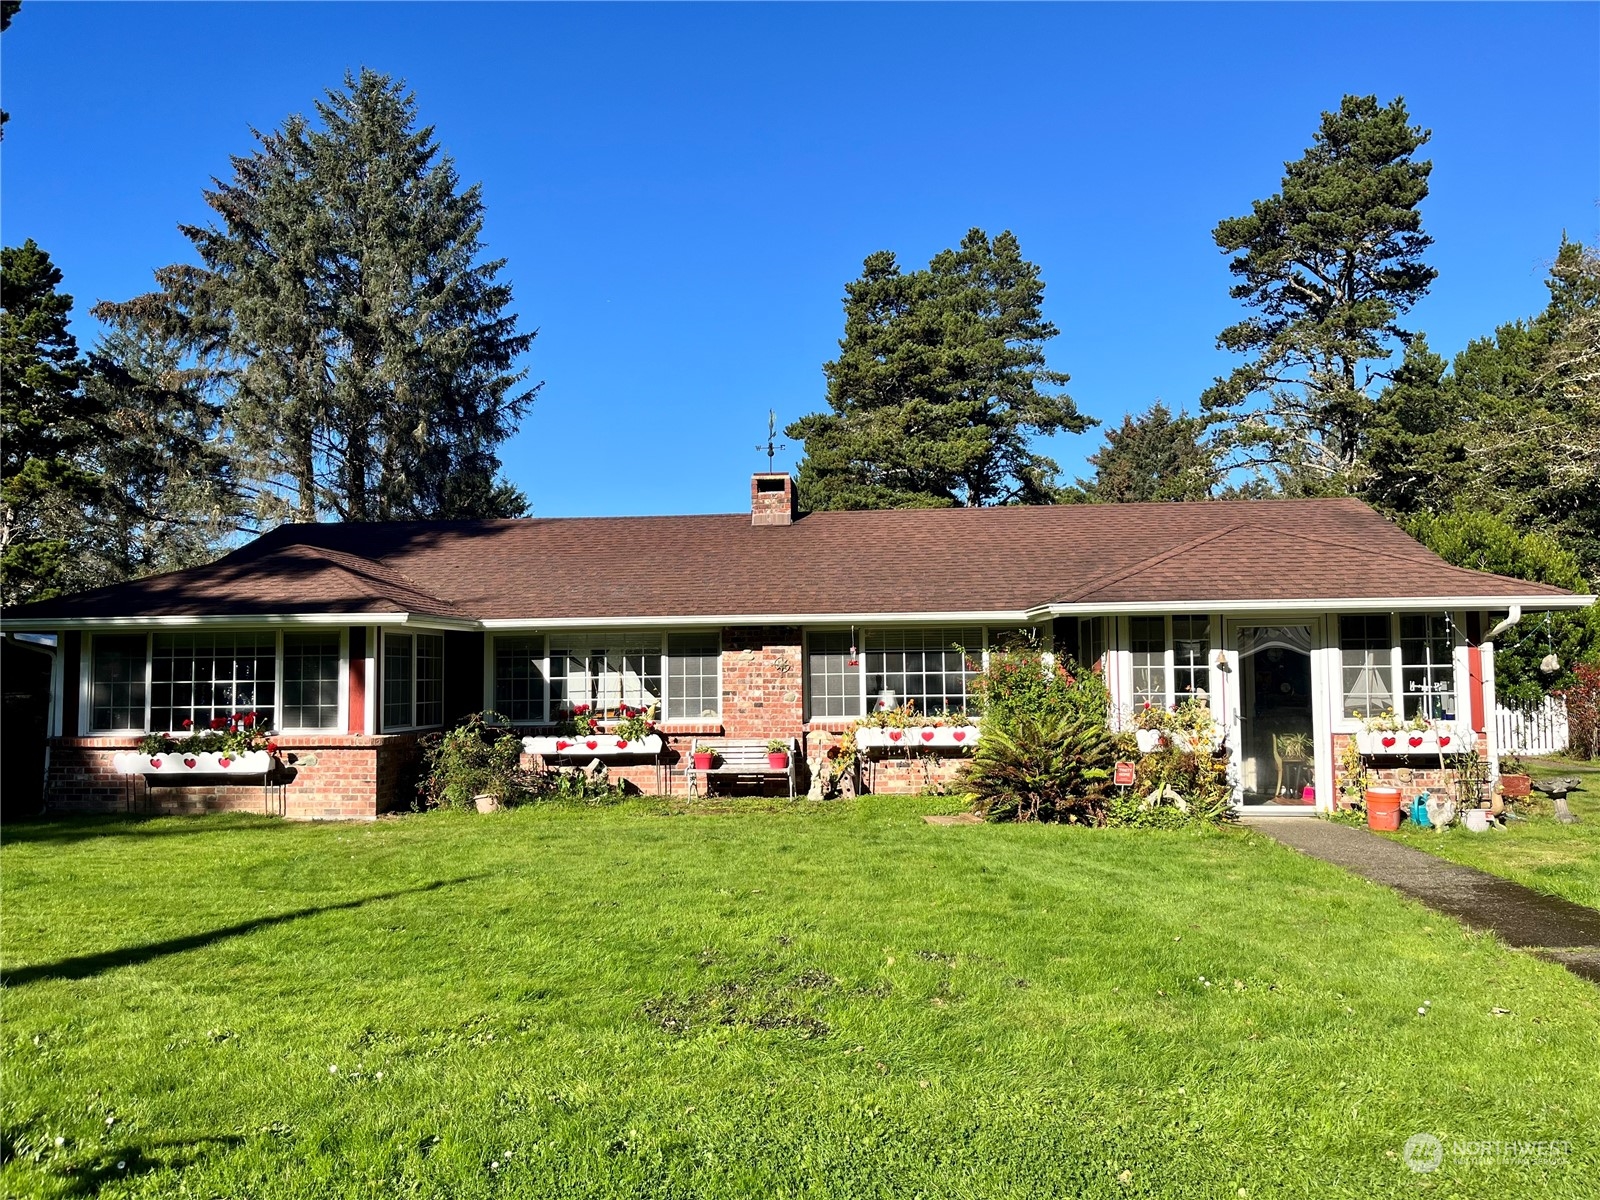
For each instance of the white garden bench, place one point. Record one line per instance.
(743, 760)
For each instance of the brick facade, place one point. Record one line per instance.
(1412, 774)
(329, 778)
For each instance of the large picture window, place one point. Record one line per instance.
(116, 683)
(923, 667)
(200, 678)
(1366, 666)
(311, 680)
(1427, 666)
(413, 680)
(605, 671)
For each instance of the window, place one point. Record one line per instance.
(833, 676)
(116, 682)
(925, 667)
(1191, 657)
(203, 677)
(310, 681)
(1148, 642)
(694, 676)
(413, 680)
(1427, 665)
(1367, 672)
(519, 677)
(1091, 640)
(605, 670)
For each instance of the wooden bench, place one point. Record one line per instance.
(744, 761)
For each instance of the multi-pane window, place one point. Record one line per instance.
(1367, 673)
(694, 676)
(413, 680)
(204, 677)
(116, 682)
(311, 680)
(1091, 646)
(519, 677)
(924, 667)
(1147, 639)
(605, 671)
(1427, 665)
(833, 674)
(1191, 657)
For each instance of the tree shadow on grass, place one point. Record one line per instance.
(87, 966)
(62, 831)
(90, 1174)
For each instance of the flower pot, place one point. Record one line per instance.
(1308, 794)
(485, 803)
(702, 762)
(1383, 808)
(1476, 820)
(1516, 787)
(778, 762)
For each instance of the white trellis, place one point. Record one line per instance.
(1540, 729)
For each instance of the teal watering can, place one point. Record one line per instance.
(1419, 811)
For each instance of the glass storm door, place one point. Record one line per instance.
(1276, 745)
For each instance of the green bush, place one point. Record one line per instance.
(1174, 787)
(1042, 768)
(480, 756)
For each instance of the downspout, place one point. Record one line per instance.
(49, 652)
(1490, 701)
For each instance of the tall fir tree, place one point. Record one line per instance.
(1329, 263)
(342, 305)
(48, 429)
(1154, 456)
(940, 382)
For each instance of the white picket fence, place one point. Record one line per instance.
(1538, 730)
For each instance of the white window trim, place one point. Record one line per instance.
(1458, 659)
(861, 658)
(642, 639)
(382, 656)
(86, 685)
(1121, 679)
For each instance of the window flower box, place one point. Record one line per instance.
(931, 737)
(179, 763)
(592, 745)
(1380, 742)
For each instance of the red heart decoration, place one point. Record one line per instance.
(960, 735)
(155, 762)
(1387, 742)
(1414, 741)
(622, 743)
(927, 735)
(1444, 739)
(895, 735)
(591, 743)
(562, 744)
(224, 762)
(189, 762)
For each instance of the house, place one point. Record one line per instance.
(1291, 616)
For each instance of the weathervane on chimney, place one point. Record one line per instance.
(773, 445)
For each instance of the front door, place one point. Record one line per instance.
(1275, 734)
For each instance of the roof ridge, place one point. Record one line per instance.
(1099, 582)
(341, 560)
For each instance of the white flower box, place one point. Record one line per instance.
(591, 745)
(1412, 741)
(180, 762)
(931, 737)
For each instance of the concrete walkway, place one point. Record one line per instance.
(1553, 928)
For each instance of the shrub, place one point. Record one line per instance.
(1175, 787)
(1042, 768)
(480, 756)
(1022, 683)
(1583, 711)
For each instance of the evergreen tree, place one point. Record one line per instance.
(1155, 456)
(1414, 451)
(940, 381)
(1329, 264)
(47, 429)
(364, 351)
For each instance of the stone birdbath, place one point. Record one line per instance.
(1557, 790)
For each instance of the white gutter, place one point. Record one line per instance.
(1487, 682)
(1512, 618)
(414, 620)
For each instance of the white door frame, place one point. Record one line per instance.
(1230, 687)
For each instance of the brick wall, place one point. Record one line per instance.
(328, 778)
(1412, 774)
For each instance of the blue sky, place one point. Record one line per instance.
(683, 191)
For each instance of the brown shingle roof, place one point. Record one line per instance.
(844, 563)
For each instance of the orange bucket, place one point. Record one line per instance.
(1383, 808)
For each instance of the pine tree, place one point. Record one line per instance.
(1155, 456)
(47, 429)
(1329, 264)
(940, 382)
(365, 352)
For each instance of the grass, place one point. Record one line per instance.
(1540, 853)
(810, 1000)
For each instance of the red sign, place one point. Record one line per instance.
(1124, 775)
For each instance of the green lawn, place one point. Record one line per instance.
(1541, 853)
(824, 1000)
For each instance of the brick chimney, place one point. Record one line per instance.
(771, 499)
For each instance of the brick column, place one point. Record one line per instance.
(762, 682)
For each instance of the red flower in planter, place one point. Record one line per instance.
(250, 721)
(187, 722)
(217, 722)
(272, 747)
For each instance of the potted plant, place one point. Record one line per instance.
(1515, 782)
(703, 756)
(778, 754)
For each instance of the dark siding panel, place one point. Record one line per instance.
(463, 676)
